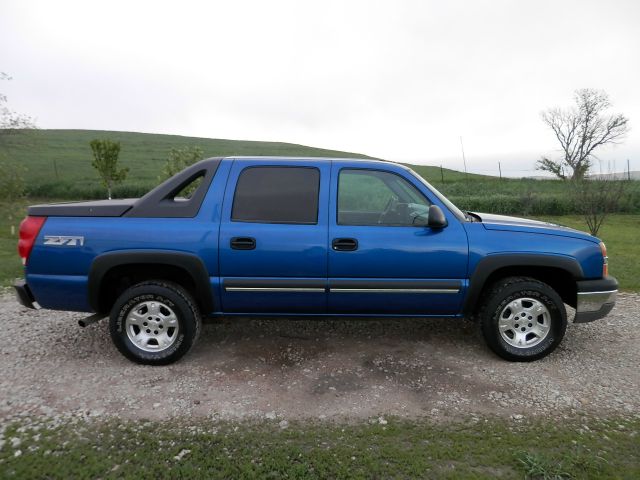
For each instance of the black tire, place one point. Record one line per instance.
(173, 299)
(498, 297)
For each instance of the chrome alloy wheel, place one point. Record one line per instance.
(524, 323)
(152, 326)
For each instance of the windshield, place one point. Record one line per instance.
(455, 210)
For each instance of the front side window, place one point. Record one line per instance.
(277, 195)
(373, 197)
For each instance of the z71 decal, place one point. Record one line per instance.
(61, 240)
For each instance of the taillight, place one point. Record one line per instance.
(605, 260)
(29, 229)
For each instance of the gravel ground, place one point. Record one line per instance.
(291, 369)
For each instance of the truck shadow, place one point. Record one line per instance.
(336, 333)
(277, 343)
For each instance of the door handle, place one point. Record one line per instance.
(243, 243)
(344, 244)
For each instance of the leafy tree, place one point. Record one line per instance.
(582, 130)
(105, 161)
(12, 188)
(181, 158)
(12, 185)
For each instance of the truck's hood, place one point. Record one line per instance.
(515, 224)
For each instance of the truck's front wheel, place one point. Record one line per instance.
(154, 323)
(522, 319)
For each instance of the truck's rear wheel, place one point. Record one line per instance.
(522, 319)
(154, 323)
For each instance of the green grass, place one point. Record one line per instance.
(490, 448)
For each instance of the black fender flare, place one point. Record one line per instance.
(189, 262)
(491, 263)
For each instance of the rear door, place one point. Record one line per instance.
(273, 237)
(379, 262)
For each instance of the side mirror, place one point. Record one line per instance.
(436, 217)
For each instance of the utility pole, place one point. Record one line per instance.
(463, 158)
(500, 170)
(442, 173)
(628, 170)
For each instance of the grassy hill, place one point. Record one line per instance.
(58, 165)
(53, 156)
(65, 154)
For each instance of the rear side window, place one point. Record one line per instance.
(277, 195)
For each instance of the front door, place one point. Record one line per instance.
(273, 237)
(379, 262)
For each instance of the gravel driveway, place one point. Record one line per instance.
(288, 369)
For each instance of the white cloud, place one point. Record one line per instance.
(399, 79)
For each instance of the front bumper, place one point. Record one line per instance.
(596, 299)
(24, 295)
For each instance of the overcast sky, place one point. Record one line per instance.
(401, 80)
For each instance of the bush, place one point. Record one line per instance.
(86, 190)
(517, 205)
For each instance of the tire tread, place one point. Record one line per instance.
(485, 315)
(176, 289)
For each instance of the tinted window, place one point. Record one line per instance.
(372, 197)
(277, 195)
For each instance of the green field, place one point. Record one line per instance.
(484, 449)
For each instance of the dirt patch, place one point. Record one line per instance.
(291, 369)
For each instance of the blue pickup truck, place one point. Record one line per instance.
(306, 236)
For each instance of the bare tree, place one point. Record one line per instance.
(581, 130)
(596, 199)
(11, 121)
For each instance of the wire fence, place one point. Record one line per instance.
(500, 170)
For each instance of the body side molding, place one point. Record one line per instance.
(394, 286)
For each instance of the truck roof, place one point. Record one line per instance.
(312, 159)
